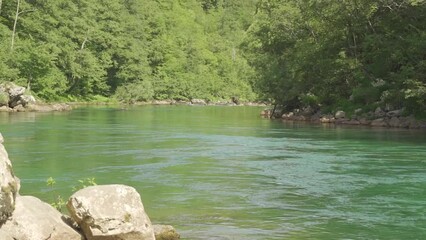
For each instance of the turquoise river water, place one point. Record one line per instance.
(225, 173)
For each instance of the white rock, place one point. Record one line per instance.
(36, 220)
(198, 102)
(340, 114)
(9, 185)
(112, 212)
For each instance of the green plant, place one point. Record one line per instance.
(83, 183)
(57, 201)
(127, 217)
(135, 92)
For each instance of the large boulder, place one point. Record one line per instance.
(15, 93)
(27, 99)
(36, 220)
(12, 95)
(15, 90)
(110, 212)
(9, 185)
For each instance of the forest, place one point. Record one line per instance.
(320, 54)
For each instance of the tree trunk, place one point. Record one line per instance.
(29, 83)
(273, 111)
(14, 25)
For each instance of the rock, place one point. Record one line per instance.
(198, 102)
(27, 99)
(316, 118)
(394, 122)
(36, 220)
(379, 113)
(161, 102)
(340, 114)
(12, 95)
(15, 93)
(48, 107)
(380, 122)
(14, 90)
(288, 116)
(300, 118)
(364, 121)
(9, 185)
(61, 107)
(5, 236)
(19, 108)
(327, 119)
(341, 121)
(165, 232)
(308, 111)
(353, 122)
(265, 113)
(396, 113)
(5, 109)
(110, 212)
(4, 98)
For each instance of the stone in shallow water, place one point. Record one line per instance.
(110, 212)
(165, 232)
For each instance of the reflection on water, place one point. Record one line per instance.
(225, 173)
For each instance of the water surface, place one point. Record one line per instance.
(226, 173)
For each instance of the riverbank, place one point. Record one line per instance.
(379, 118)
(39, 107)
(14, 98)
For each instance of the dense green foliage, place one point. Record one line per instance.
(348, 54)
(323, 54)
(133, 49)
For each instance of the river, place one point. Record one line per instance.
(225, 173)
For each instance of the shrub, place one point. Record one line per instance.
(135, 92)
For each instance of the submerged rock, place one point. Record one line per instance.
(112, 212)
(165, 232)
(36, 220)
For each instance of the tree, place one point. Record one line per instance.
(348, 54)
(82, 48)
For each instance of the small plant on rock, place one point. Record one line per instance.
(57, 201)
(83, 183)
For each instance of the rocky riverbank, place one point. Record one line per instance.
(378, 118)
(13, 98)
(202, 102)
(110, 212)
